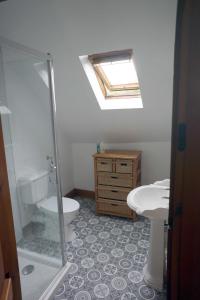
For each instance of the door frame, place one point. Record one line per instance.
(184, 227)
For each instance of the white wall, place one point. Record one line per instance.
(27, 129)
(155, 161)
(29, 124)
(28, 99)
(69, 29)
(66, 162)
(11, 175)
(5, 121)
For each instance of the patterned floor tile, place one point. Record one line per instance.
(107, 258)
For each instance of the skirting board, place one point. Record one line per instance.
(81, 193)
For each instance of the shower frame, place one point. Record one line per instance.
(49, 60)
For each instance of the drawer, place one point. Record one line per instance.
(124, 166)
(104, 165)
(111, 192)
(114, 179)
(112, 207)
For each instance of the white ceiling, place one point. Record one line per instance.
(69, 29)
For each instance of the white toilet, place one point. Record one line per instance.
(33, 190)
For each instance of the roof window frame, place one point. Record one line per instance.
(110, 91)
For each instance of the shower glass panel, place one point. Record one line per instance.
(27, 119)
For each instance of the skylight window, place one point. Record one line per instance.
(116, 77)
(116, 74)
(120, 72)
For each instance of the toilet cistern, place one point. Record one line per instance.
(152, 201)
(33, 190)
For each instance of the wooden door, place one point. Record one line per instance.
(6, 291)
(9, 273)
(184, 214)
(2, 273)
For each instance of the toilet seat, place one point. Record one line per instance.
(50, 204)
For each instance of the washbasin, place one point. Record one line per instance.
(151, 201)
(165, 183)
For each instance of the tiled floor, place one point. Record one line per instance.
(34, 241)
(107, 258)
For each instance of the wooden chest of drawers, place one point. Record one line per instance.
(116, 174)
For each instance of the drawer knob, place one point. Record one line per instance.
(103, 163)
(113, 191)
(114, 204)
(114, 177)
(123, 164)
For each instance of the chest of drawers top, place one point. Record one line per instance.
(120, 154)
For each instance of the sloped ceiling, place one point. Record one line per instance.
(69, 29)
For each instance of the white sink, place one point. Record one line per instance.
(152, 201)
(165, 182)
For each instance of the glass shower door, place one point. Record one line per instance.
(27, 113)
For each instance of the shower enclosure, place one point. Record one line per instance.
(27, 111)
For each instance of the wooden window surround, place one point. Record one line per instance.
(129, 89)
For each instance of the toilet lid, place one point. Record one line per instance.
(50, 204)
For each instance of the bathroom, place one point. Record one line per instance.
(50, 148)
